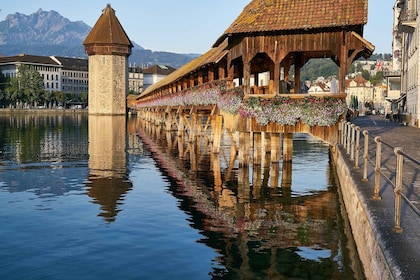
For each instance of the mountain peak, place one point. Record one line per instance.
(41, 27)
(48, 33)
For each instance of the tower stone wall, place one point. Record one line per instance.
(108, 84)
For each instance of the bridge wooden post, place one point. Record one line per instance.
(257, 158)
(181, 143)
(286, 178)
(267, 141)
(180, 125)
(244, 188)
(256, 181)
(192, 145)
(215, 166)
(275, 147)
(168, 120)
(287, 146)
(274, 174)
(216, 129)
(244, 148)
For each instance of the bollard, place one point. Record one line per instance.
(398, 188)
(344, 134)
(353, 144)
(377, 168)
(348, 137)
(356, 160)
(365, 155)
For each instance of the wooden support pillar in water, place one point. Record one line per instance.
(168, 121)
(216, 128)
(244, 187)
(266, 169)
(181, 143)
(286, 178)
(180, 126)
(266, 142)
(193, 128)
(169, 140)
(274, 174)
(275, 147)
(258, 148)
(215, 166)
(244, 148)
(287, 146)
(193, 155)
(256, 181)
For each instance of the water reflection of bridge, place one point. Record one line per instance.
(236, 202)
(255, 208)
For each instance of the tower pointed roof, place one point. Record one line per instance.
(107, 31)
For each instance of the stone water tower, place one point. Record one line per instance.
(108, 48)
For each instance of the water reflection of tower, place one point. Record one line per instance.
(108, 178)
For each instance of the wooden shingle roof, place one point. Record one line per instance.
(214, 55)
(108, 30)
(285, 15)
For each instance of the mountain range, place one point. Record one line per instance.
(48, 33)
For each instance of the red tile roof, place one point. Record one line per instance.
(282, 15)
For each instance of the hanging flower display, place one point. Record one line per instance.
(310, 110)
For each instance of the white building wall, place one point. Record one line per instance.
(410, 75)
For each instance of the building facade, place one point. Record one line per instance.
(74, 74)
(406, 46)
(69, 75)
(135, 80)
(155, 73)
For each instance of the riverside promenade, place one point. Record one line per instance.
(393, 255)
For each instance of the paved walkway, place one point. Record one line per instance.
(402, 250)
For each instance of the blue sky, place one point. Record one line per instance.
(184, 26)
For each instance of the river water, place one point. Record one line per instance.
(113, 198)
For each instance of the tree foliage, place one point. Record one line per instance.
(28, 86)
(325, 67)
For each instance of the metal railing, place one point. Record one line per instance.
(373, 149)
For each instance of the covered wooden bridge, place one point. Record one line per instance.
(245, 84)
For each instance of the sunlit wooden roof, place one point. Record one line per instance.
(285, 15)
(212, 56)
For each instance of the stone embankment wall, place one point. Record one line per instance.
(369, 250)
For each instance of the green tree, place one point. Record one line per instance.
(30, 84)
(59, 96)
(377, 79)
(84, 97)
(366, 75)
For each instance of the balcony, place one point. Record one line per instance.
(408, 21)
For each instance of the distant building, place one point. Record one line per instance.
(135, 80)
(48, 66)
(65, 74)
(319, 87)
(365, 93)
(74, 74)
(155, 73)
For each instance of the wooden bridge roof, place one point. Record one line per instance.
(286, 15)
(212, 56)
